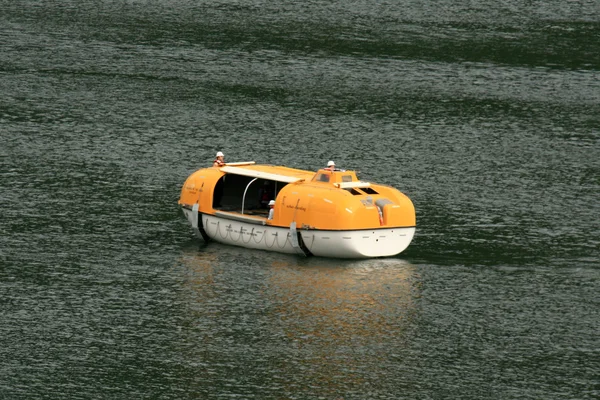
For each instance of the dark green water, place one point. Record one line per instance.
(486, 113)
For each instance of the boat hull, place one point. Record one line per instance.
(383, 242)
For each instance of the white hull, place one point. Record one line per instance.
(383, 242)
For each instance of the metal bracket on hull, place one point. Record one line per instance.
(298, 242)
(194, 219)
(197, 226)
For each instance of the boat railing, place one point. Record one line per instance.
(240, 163)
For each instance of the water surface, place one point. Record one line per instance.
(485, 113)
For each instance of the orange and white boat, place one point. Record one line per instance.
(324, 213)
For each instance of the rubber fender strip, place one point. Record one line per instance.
(302, 245)
(201, 228)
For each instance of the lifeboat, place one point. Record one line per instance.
(327, 213)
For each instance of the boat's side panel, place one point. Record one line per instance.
(323, 206)
(337, 244)
(199, 188)
(253, 236)
(358, 244)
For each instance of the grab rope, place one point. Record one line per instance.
(206, 224)
(287, 238)
(274, 240)
(219, 230)
(252, 235)
(230, 231)
(261, 239)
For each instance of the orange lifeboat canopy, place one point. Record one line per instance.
(337, 200)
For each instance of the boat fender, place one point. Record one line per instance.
(303, 246)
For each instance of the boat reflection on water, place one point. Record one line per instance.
(342, 301)
(313, 317)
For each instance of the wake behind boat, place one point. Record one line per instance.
(328, 213)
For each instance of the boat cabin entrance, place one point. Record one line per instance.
(245, 194)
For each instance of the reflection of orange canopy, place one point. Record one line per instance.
(346, 300)
(323, 311)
